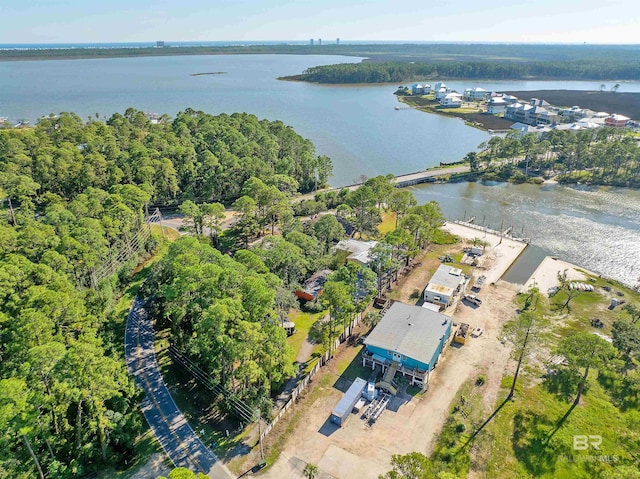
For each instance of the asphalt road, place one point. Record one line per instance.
(431, 173)
(181, 444)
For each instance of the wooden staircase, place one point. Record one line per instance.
(387, 382)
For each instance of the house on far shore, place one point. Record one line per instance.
(496, 105)
(451, 100)
(438, 85)
(419, 89)
(359, 250)
(440, 93)
(312, 288)
(616, 121)
(408, 340)
(444, 286)
(476, 94)
(154, 118)
(523, 129)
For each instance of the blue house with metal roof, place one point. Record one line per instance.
(408, 340)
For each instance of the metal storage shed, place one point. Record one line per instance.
(343, 409)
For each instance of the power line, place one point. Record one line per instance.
(244, 411)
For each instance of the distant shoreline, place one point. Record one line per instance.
(620, 55)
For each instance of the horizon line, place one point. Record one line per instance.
(343, 42)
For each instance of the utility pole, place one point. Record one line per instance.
(161, 226)
(260, 435)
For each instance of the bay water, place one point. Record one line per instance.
(359, 128)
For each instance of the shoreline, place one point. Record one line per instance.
(504, 253)
(545, 276)
(477, 120)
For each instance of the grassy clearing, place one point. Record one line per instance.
(350, 365)
(459, 110)
(304, 322)
(533, 436)
(388, 222)
(169, 233)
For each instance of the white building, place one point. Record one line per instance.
(445, 284)
(476, 94)
(451, 100)
(441, 93)
(496, 105)
(359, 250)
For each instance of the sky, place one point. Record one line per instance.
(540, 21)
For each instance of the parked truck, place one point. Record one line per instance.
(461, 334)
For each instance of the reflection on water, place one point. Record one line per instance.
(596, 228)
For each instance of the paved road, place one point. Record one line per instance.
(432, 173)
(170, 427)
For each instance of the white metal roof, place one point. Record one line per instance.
(410, 330)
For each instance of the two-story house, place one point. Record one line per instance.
(408, 340)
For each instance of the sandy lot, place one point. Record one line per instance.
(545, 276)
(409, 424)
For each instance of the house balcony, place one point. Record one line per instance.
(416, 375)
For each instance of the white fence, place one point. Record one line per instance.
(304, 382)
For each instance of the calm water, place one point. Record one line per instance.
(597, 228)
(356, 126)
(359, 129)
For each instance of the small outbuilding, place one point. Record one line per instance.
(289, 327)
(343, 409)
(444, 285)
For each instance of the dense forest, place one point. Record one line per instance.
(74, 194)
(225, 313)
(221, 311)
(194, 156)
(606, 156)
(397, 72)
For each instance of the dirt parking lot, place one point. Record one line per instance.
(410, 423)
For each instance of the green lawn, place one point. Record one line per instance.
(170, 233)
(530, 438)
(350, 365)
(303, 321)
(533, 435)
(388, 222)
